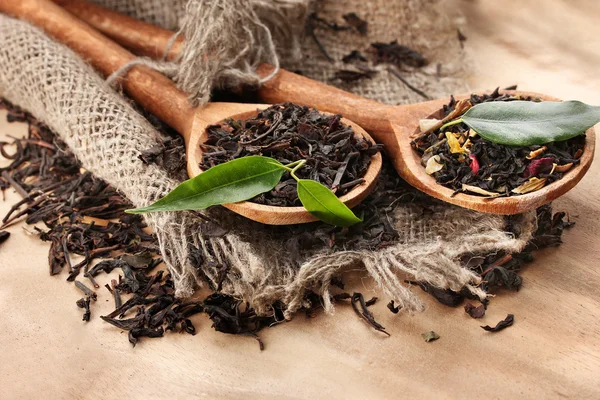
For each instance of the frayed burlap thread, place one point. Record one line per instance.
(107, 134)
(226, 40)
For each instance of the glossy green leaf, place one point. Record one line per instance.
(237, 180)
(525, 123)
(324, 204)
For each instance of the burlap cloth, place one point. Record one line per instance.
(107, 134)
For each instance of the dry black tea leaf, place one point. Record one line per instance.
(500, 276)
(461, 38)
(393, 308)
(4, 236)
(430, 336)
(397, 54)
(475, 311)
(357, 23)
(505, 323)
(85, 304)
(357, 300)
(346, 75)
(139, 261)
(445, 296)
(354, 56)
(137, 333)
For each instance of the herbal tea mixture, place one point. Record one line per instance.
(335, 156)
(462, 159)
(83, 215)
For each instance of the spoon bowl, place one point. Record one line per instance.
(266, 214)
(414, 173)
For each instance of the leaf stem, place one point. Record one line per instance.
(296, 168)
(455, 122)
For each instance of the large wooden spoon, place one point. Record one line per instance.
(160, 96)
(391, 125)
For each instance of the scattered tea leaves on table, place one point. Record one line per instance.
(237, 180)
(38, 167)
(475, 311)
(505, 323)
(430, 336)
(527, 123)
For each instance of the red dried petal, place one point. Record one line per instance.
(539, 166)
(474, 163)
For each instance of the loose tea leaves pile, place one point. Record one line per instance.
(335, 156)
(462, 160)
(84, 216)
(42, 171)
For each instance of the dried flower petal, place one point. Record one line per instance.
(539, 166)
(474, 163)
(433, 165)
(563, 168)
(537, 153)
(531, 185)
(477, 189)
(454, 144)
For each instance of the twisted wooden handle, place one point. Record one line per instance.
(152, 90)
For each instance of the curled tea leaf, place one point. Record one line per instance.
(505, 323)
(475, 312)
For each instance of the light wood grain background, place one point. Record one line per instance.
(552, 351)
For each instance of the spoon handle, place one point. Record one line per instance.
(151, 89)
(152, 41)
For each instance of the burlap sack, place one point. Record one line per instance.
(106, 133)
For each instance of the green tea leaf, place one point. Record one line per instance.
(237, 180)
(324, 204)
(525, 123)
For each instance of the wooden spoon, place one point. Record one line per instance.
(160, 96)
(391, 125)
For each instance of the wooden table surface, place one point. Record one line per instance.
(552, 351)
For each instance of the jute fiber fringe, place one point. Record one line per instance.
(107, 134)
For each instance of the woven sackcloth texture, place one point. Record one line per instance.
(107, 135)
